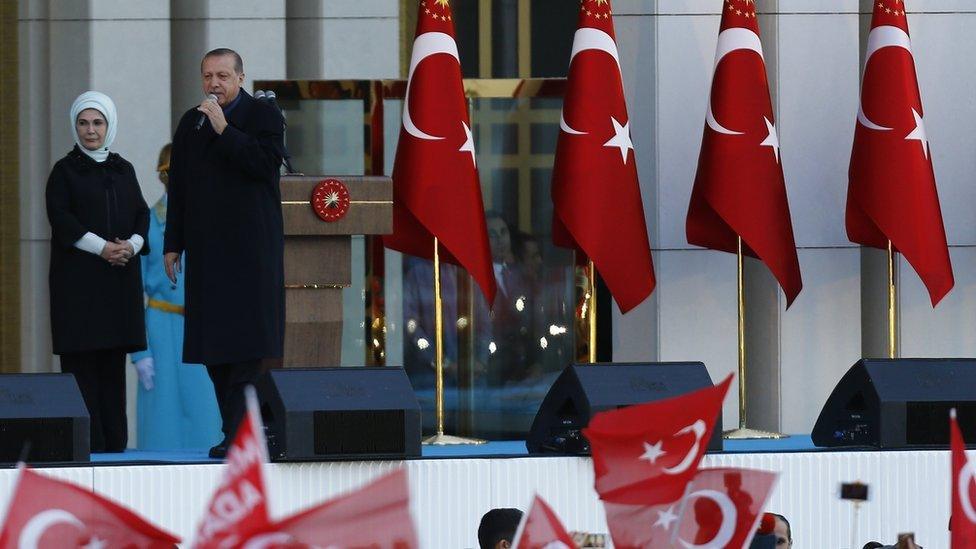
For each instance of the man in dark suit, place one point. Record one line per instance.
(225, 215)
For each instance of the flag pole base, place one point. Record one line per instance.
(751, 434)
(440, 439)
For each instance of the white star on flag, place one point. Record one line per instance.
(652, 452)
(468, 145)
(665, 518)
(771, 139)
(919, 133)
(621, 138)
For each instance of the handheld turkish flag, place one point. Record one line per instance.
(651, 451)
(597, 199)
(542, 529)
(436, 192)
(721, 509)
(963, 521)
(891, 193)
(739, 188)
(45, 513)
(239, 505)
(375, 516)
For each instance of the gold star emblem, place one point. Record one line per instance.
(601, 2)
(738, 12)
(442, 3)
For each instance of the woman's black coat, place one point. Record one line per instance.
(95, 306)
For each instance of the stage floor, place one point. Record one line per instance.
(491, 449)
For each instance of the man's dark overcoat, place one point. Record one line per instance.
(224, 213)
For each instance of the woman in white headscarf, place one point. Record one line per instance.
(99, 223)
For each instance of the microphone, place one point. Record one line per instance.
(203, 115)
(272, 98)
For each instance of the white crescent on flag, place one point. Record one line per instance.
(39, 523)
(426, 45)
(729, 517)
(730, 40)
(586, 39)
(698, 428)
(881, 37)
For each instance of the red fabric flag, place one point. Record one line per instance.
(598, 209)
(45, 513)
(542, 529)
(739, 188)
(963, 521)
(436, 192)
(722, 509)
(375, 516)
(651, 451)
(891, 193)
(239, 505)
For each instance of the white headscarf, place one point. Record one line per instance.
(103, 104)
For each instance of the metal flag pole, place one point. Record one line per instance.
(743, 432)
(892, 327)
(440, 439)
(591, 299)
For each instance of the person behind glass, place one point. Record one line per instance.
(175, 405)
(224, 211)
(99, 223)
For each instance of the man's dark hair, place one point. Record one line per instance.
(789, 529)
(238, 62)
(497, 525)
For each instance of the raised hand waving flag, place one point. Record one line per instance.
(739, 188)
(891, 195)
(436, 192)
(595, 191)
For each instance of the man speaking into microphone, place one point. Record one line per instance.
(224, 214)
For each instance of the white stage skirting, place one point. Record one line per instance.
(909, 492)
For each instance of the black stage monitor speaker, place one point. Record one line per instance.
(45, 411)
(340, 413)
(582, 390)
(899, 403)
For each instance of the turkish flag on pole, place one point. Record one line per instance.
(46, 513)
(963, 521)
(436, 192)
(739, 188)
(598, 209)
(375, 516)
(542, 529)
(239, 505)
(891, 194)
(721, 509)
(651, 451)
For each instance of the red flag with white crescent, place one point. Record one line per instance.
(436, 191)
(651, 451)
(963, 522)
(46, 513)
(598, 209)
(721, 509)
(239, 505)
(891, 193)
(739, 188)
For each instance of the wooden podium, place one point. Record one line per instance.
(318, 255)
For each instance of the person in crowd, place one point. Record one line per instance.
(498, 527)
(783, 531)
(175, 405)
(224, 211)
(99, 222)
